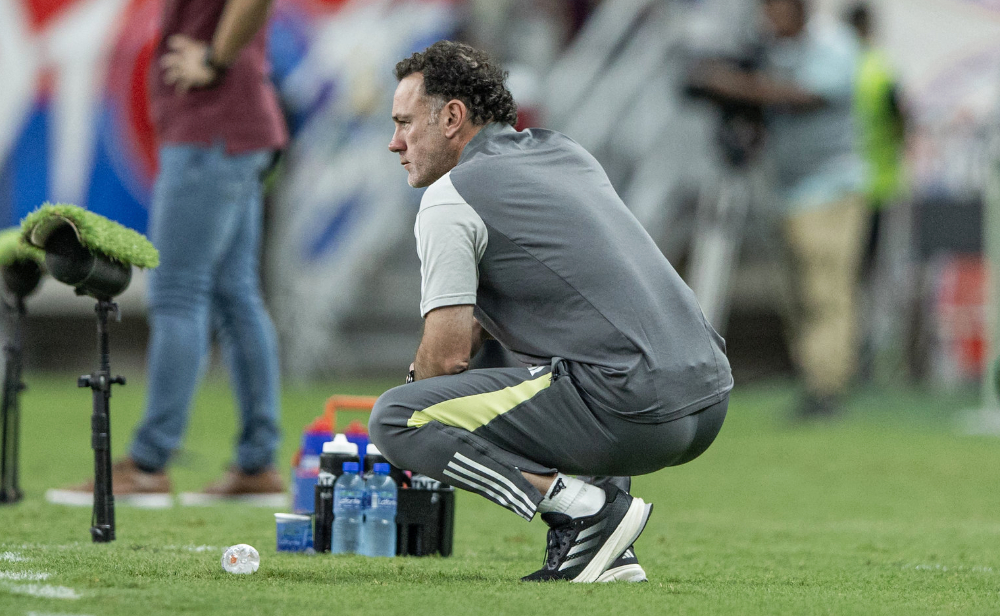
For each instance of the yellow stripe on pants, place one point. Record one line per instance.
(471, 412)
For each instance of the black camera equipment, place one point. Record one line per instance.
(21, 278)
(94, 274)
(723, 209)
(740, 131)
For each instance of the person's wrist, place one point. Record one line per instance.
(218, 69)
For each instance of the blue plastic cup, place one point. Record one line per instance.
(294, 532)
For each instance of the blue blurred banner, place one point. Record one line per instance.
(74, 124)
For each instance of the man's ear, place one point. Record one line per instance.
(453, 117)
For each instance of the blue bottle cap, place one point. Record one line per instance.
(350, 467)
(381, 468)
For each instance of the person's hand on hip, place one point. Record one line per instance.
(188, 64)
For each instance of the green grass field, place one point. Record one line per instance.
(889, 511)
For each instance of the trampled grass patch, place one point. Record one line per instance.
(889, 511)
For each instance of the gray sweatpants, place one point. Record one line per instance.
(479, 429)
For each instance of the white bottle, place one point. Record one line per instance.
(241, 558)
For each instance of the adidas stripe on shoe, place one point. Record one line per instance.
(626, 568)
(582, 549)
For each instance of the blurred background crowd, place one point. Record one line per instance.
(694, 107)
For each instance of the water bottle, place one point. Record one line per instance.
(378, 533)
(241, 559)
(331, 463)
(348, 491)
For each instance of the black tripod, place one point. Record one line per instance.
(102, 278)
(102, 522)
(21, 278)
(10, 410)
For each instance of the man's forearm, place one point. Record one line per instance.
(240, 22)
(757, 89)
(428, 364)
(447, 343)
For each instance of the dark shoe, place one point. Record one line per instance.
(582, 549)
(626, 568)
(130, 485)
(263, 489)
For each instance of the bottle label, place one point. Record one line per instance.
(350, 502)
(382, 502)
(325, 479)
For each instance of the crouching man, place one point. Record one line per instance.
(522, 238)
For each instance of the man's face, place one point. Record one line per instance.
(786, 18)
(419, 139)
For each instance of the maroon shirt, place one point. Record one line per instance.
(241, 111)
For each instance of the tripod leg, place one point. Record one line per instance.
(6, 453)
(10, 491)
(102, 528)
(716, 246)
(103, 521)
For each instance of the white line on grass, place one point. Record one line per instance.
(46, 546)
(12, 557)
(52, 614)
(45, 591)
(25, 576)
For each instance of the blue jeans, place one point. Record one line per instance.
(206, 222)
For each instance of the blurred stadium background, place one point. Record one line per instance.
(341, 274)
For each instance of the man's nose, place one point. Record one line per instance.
(396, 144)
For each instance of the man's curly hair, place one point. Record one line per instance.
(458, 71)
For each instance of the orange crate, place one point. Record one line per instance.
(352, 403)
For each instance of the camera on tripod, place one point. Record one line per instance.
(73, 263)
(740, 132)
(94, 255)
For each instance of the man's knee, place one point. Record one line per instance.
(388, 423)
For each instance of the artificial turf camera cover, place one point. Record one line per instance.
(21, 265)
(86, 250)
(95, 232)
(14, 249)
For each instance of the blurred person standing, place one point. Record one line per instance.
(218, 124)
(881, 128)
(807, 88)
(881, 124)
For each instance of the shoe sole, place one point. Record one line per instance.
(625, 573)
(71, 498)
(624, 535)
(278, 500)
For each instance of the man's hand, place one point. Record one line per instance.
(184, 66)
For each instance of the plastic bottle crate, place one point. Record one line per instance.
(425, 522)
(425, 518)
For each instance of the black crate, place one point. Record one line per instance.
(425, 522)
